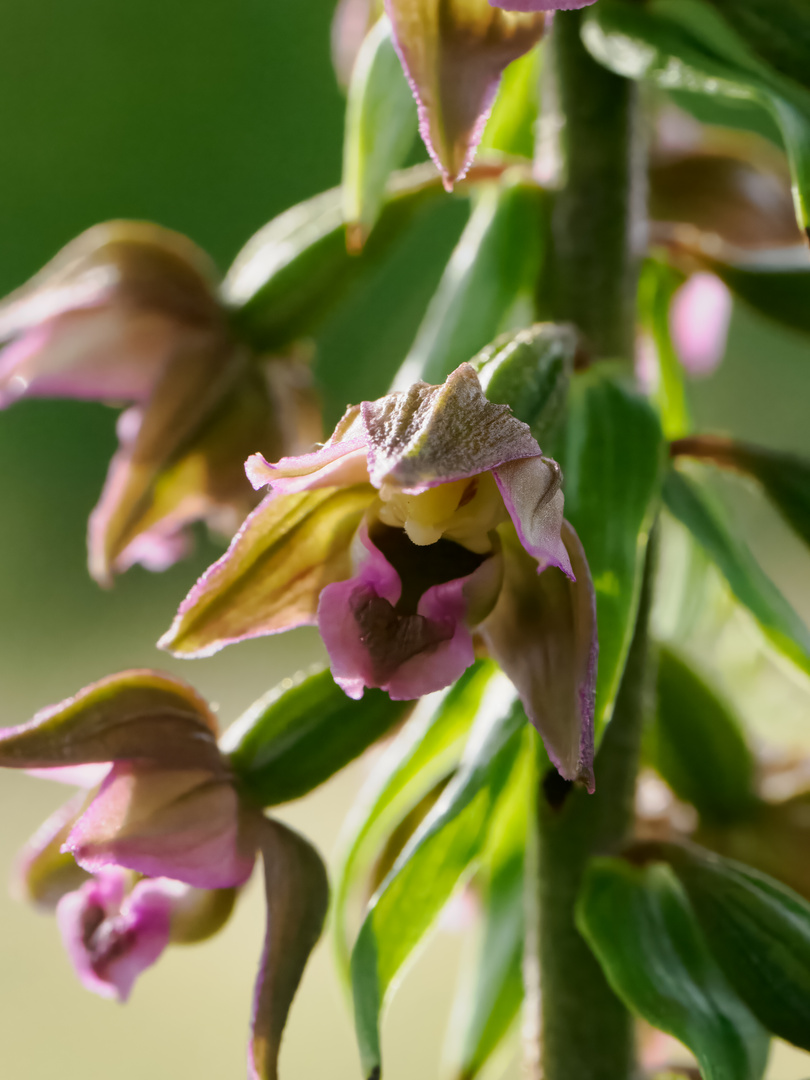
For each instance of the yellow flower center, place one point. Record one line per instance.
(465, 511)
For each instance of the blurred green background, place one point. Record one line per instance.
(210, 118)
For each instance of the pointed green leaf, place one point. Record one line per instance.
(612, 459)
(645, 936)
(698, 745)
(776, 284)
(784, 477)
(423, 754)
(381, 126)
(687, 45)
(657, 287)
(496, 262)
(703, 517)
(296, 737)
(428, 870)
(759, 933)
(490, 990)
(779, 33)
(292, 271)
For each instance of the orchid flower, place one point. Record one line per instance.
(128, 312)
(429, 516)
(156, 850)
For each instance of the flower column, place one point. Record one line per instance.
(587, 1033)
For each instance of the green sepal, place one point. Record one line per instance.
(450, 839)
(612, 457)
(692, 505)
(494, 267)
(698, 746)
(381, 127)
(295, 737)
(759, 933)
(530, 371)
(645, 936)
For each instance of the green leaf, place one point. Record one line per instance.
(381, 126)
(422, 755)
(530, 371)
(644, 934)
(612, 461)
(289, 275)
(784, 477)
(494, 265)
(690, 503)
(295, 737)
(759, 933)
(490, 990)
(428, 870)
(698, 745)
(686, 45)
(297, 893)
(510, 128)
(657, 287)
(778, 32)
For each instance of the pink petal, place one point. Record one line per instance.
(699, 320)
(532, 495)
(81, 776)
(111, 939)
(165, 823)
(357, 621)
(331, 466)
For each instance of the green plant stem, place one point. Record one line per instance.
(587, 1034)
(599, 208)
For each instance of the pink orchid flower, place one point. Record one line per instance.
(129, 313)
(155, 851)
(430, 517)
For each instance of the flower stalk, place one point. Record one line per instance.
(586, 1032)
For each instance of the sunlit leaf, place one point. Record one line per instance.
(612, 461)
(294, 738)
(692, 506)
(428, 870)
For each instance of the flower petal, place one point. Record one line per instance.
(166, 823)
(699, 321)
(429, 435)
(204, 481)
(111, 939)
(372, 643)
(454, 52)
(43, 873)
(133, 716)
(192, 386)
(297, 896)
(271, 576)
(543, 634)
(532, 495)
(339, 462)
(100, 320)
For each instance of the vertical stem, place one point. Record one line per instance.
(587, 1034)
(597, 211)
